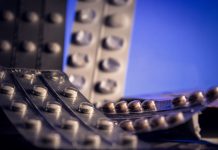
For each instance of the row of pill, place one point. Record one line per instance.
(31, 17)
(109, 77)
(30, 46)
(84, 43)
(153, 123)
(54, 108)
(151, 105)
(53, 139)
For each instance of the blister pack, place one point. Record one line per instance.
(180, 117)
(32, 33)
(98, 54)
(50, 113)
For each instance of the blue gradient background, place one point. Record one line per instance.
(174, 46)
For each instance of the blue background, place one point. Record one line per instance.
(174, 46)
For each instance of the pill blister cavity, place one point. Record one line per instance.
(86, 108)
(149, 105)
(180, 101)
(113, 43)
(28, 46)
(77, 81)
(175, 118)
(53, 47)
(5, 46)
(196, 97)
(31, 17)
(85, 15)
(130, 141)
(53, 108)
(212, 94)
(33, 124)
(142, 125)
(93, 141)
(158, 122)
(127, 125)
(55, 76)
(70, 125)
(51, 140)
(7, 15)
(70, 92)
(117, 20)
(55, 18)
(19, 107)
(39, 90)
(28, 76)
(78, 60)
(106, 86)
(82, 38)
(135, 106)
(109, 65)
(109, 107)
(7, 89)
(105, 124)
(122, 107)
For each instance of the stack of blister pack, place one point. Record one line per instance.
(42, 107)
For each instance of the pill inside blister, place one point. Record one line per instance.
(82, 38)
(113, 43)
(122, 107)
(53, 108)
(55, 18)
(28, 76)
(19, 107)
(70, 92)
(117, 20)
(53, 47)
(149, 105)
(105, 124)
(28, 46)
(92, 140)
(127, 125)
(51, 139)
(7, 16)
(142, 125)
(180, 101)
(196, 97)
(135, 106)
(6, 88)
(31, 17)
(86, 108)
(176, 118)
(212, 94)
(85, 15)
(55, 76)
(72, 125)
(106, 86)
(78, 60)
(39, 90)
(109, 65)
(109, 107)
(129, 141)
(33, 124)
(77, 81)
(158, 122)
(5, 45)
